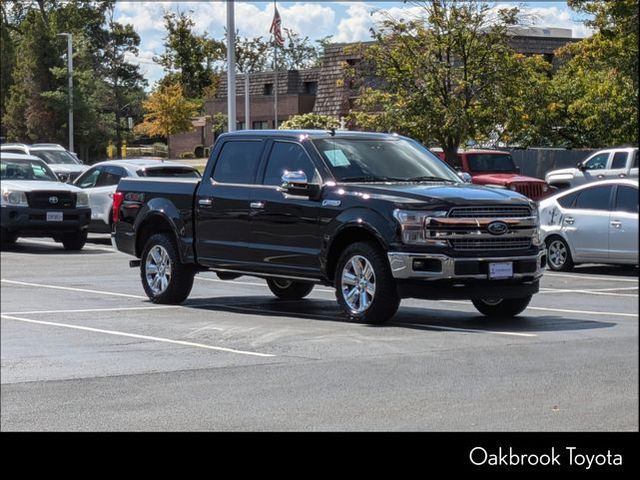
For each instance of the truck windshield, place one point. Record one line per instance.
(491, 162)
(25, 170)
(382, 160)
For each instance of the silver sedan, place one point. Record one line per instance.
(592, 223)
(101, 180)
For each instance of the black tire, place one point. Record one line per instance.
(558, 254)
(75, 241)
(289, 290)
(385, 294)
(7, 239)
(178, 276)
(502, 307)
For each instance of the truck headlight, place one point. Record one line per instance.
(412, 224)
(82, 200)
(537, 236)
(15, 199)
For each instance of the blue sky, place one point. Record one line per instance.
(346, 21)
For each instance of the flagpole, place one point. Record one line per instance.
(275, 69)
(231, 68)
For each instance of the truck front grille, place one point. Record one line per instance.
(488, 244)
(51, 199)
(531, 190)
(490, 212)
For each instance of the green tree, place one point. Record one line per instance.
(189, 57)
(310, 121)
(594, 94)
(444, 77)
(167, 112)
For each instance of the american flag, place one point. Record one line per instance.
(275, 28)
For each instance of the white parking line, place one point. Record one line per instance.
(53, 244)
(602, 291)
(133, 335)
(73, 289)
(470, 330)
(608, 278)
(93, 310)
(584, 312)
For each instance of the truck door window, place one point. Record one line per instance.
(635, 160)
(287, 156)
(619, 160)
(627, 199)
(110, 176)
(89, 179)
(599, 162)
(237, 162)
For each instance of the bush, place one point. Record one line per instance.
(199, 151)
(186, 155)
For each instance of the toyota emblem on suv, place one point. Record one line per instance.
(497, 228)
(53, 200)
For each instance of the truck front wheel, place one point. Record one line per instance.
(165, 278)
(365, 288)
(289, 290)
(501, 307)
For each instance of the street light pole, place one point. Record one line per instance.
(231, 67)
(70, 69)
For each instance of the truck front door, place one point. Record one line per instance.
(285, 235)
(222, 204)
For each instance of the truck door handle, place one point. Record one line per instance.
(256, 204)
(616, 224)
(569, 220)
(622, 175)
(600, 176)
(205, 202)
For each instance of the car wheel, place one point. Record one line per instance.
(7, 238)
(74, 241)
(165, 278)
(501, 307)
(365, 288)
(288, 289)
(558, 255)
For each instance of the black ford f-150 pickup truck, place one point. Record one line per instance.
(376, 216)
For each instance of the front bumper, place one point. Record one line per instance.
(428, 266)
(27, 221)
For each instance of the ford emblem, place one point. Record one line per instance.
(497, 228)
(53, 200)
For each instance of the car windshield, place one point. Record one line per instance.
(491, 162)
(55, 156)
(184, 172)
(25, 170)
(382, 160)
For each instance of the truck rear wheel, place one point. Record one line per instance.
(7, 238)
(501, 307)
(165, 278)
(288, 289)
(365, 288)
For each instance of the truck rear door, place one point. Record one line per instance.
(222, 203)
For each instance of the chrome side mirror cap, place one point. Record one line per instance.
(465, 176)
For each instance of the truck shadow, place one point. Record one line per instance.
(407, 317)
(47, 248)
(614, 270)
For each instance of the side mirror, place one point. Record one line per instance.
(517, 169)
(581, 166)
(296, 183)
(466, 177)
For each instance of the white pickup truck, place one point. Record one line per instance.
(607, 164)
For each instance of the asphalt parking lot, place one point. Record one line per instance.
(83, 349)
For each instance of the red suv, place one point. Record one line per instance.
(497, 168)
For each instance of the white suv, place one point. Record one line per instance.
(64, 163)
(609, 164)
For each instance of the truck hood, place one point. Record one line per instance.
(503, 179)
(33, 185)
(425, 195)
(563, 173)
(67, 167)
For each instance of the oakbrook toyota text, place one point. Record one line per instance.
(569, 456)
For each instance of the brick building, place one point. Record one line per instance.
(325, 90)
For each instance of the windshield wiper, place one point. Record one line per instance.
(426, 178)
(370, 178)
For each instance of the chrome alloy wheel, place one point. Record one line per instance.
(557, 254)
(158, 269)
(358, 284)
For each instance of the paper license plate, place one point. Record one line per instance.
(501, 270)
(54, 216)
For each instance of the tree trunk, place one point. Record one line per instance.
(451, 154)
